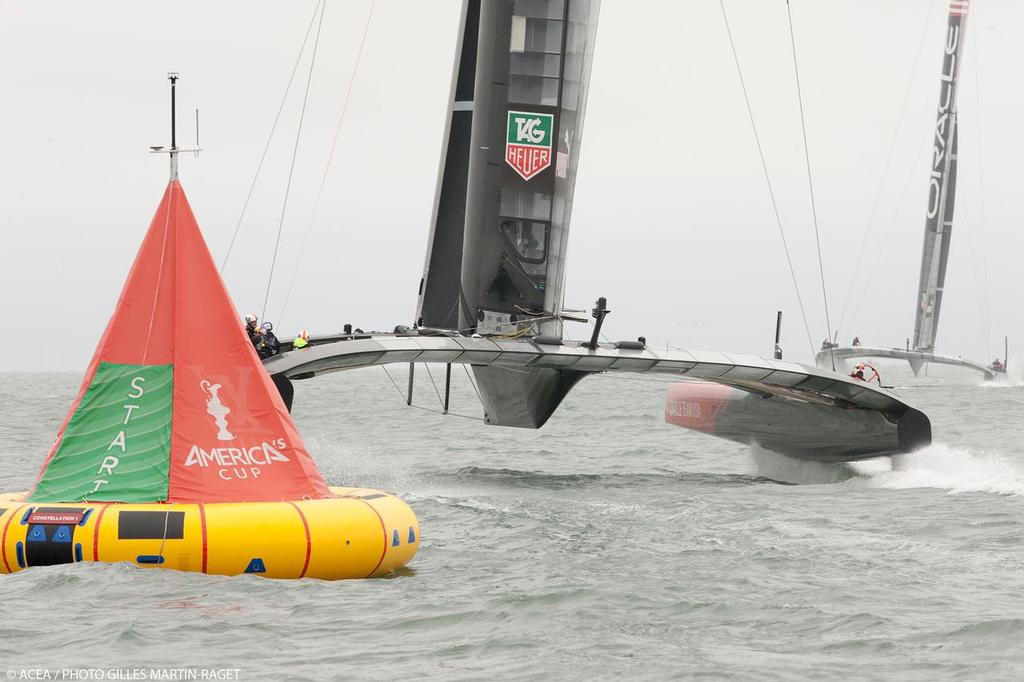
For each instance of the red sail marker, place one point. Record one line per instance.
(175, 405)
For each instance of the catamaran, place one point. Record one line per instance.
(938, 228)
(492, 291)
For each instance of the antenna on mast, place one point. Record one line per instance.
(173, 151)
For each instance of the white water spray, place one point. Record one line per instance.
(956, 469)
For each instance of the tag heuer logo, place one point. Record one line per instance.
(528, 142)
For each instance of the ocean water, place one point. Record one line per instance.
(607, 545)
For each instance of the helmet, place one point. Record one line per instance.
(860, 367)
(304, 335)
(267, 326)
(250, 318)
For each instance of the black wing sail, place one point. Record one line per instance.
(532, 73)
(437, 304)
(941, 185)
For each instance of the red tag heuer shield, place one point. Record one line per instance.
(528, 142)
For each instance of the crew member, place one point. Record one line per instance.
(856, 341)
(302, 340)
(267, 345)
(858, 373)
(252, 327)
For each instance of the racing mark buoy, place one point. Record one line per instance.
(178, 451)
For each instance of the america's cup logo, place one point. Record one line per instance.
(217, 409)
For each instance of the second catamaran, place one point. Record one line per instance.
(938, 225)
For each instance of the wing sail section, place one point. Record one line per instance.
(941, 185)
(438, 298)
(532, 73)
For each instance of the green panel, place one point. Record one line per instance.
(528, 128)
(117, 445)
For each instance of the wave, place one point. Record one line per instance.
(540, 479)
(945, 467)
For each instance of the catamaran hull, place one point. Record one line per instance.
(792, 426)
(360, 533)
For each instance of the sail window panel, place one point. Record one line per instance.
(517, 39)
(535, 64)
(533, 90)
(530, 205)
(539, 9)
(535, 35)
(528, 238)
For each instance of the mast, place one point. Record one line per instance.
(173, 77)
(174, 149)
(941, 185)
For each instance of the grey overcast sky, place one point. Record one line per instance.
(672, 220)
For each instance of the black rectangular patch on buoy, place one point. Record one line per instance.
(149, 525)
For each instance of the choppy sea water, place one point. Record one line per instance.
(606, 545)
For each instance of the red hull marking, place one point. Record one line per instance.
(384, 530)
(309, 540)
(96, 533)
(3, 539)
(202, 526)
(696, 406)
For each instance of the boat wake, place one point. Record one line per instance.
(958, 470)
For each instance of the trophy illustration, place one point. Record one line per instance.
(216, 409)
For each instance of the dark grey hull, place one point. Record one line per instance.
(792, 426)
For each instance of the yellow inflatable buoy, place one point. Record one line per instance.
(360, 533)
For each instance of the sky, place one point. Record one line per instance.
(671, 222)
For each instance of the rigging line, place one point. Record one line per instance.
(291, 168)
(330, 158)
(970, 259)
(270, 137)
(981, 192)
(926, 150)
(473, 384)
(810, 184)
(421, 407)
(439, 399)
(767, 177)
(384, 367)
(886, 166)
